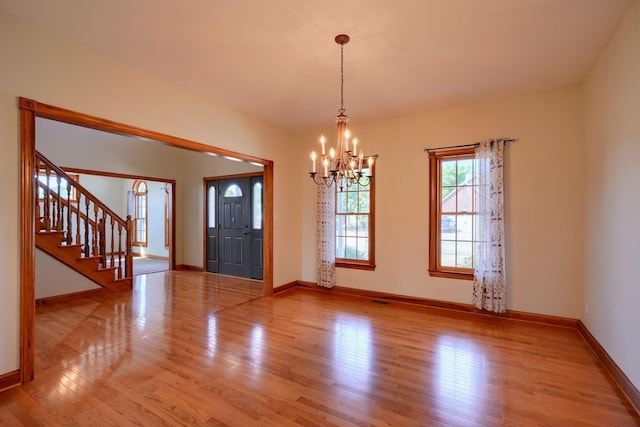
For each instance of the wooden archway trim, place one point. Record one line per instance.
(29, 110)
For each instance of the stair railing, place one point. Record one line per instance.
(63, 205)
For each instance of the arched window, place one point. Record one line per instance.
(140, 219)
(233, 191)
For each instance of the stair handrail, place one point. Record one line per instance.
(74, 209)
(125, 223)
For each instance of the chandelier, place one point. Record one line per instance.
(343, 164)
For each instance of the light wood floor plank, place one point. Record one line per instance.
(191, 348)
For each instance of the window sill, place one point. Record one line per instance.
(451, 274)
(355, 265)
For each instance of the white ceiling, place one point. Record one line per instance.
(277, 60)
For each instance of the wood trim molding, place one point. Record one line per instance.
(306, 284)
(435, 269)
(451, 274)
(29, 110)
(27, 238)
(186, 267)
(9, 380)
(267, 236)
(355, 265)
(238, 175)
(458, 308)
(93, 122)
(57, 299)
(116, 175)
(620, 378)
(285, 287)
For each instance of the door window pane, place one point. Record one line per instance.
(233, 191)
(257, 206)
(211, 207)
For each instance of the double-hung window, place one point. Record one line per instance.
(355, 209)
(453, 188)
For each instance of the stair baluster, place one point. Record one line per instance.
(59, 205)
(119, 248)
(86, 228)
(94, 232)
(69, 237)
(47, 212)
(78, 239)
(102, 243)
(90, 237)
(113, 248)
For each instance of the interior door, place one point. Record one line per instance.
(234, 231)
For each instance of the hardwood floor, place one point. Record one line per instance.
(189, 348)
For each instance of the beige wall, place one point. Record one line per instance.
(612, 122)
(43, 66)
(54, 278)
(543, 180)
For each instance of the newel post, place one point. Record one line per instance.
(128, 258)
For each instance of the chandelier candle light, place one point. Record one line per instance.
(343, 165)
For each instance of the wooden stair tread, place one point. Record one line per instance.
(49, 232)
(89, 267)
(93, 257)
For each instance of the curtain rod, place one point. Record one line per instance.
(428, 150)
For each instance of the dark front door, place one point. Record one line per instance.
(234, 209)
(234, 201)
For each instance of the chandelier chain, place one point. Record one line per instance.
(341, 110)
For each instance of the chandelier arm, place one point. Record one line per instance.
(313, 177)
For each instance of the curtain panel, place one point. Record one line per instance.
(326, 236)
(489, 284)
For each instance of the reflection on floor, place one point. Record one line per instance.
(202, 349)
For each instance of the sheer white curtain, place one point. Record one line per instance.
(326, 236)
(489, 280)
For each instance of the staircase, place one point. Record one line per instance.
(76, 228)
